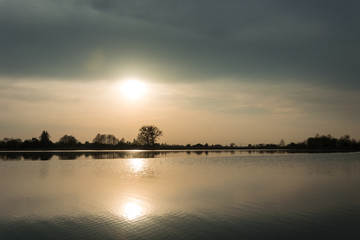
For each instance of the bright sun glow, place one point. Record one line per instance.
(137, 164)
(133, 89)
(132, 211)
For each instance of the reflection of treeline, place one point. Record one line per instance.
(41, 155)
(110, 142)
(114, 154)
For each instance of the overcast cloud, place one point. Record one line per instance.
(307, 41)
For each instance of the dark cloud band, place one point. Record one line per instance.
(182, 40)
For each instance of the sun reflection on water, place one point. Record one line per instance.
(132, 211)
(137, 165)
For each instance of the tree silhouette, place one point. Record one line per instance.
(45, 140)
(44, 137)
(68, 140)
(111, 139)
(99, 139)
(148, 135)
(105, 139)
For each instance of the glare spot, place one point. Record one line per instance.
(131, 211)
(133, 89)
(136, 164)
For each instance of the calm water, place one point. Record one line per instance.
(179, 195)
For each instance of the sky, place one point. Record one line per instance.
(216, 72)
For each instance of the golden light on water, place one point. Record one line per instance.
(133, 208)
(132, 211)
(136, 165)
(133, 89)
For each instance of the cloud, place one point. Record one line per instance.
(277, 41)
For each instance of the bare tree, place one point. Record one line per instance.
(111, 139)
(148, 135)
(105, 139)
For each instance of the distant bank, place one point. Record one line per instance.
(148, 136)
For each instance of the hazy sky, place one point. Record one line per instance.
(251, 71)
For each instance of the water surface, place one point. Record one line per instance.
(179, 195)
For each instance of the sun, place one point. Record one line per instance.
(133, 89)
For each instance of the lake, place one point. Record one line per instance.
(179, 195)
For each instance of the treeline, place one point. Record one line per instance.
(146, 139)
(148, 136)
(327, 142)
(100, 141)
